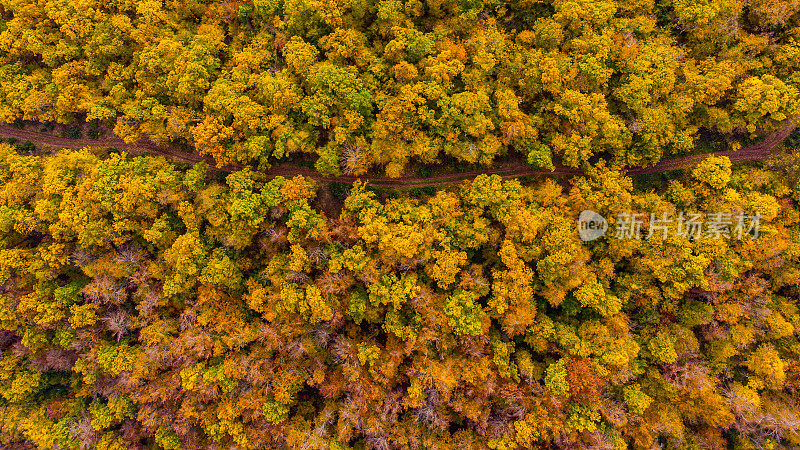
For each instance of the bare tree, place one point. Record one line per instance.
(117, 323)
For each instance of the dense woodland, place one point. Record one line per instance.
(149, 305)
(142, 304)
(382, 84)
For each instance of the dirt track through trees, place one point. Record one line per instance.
(755, 152)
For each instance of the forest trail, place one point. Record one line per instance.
(757, 151)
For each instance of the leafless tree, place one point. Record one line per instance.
(350, 158)
(81, 257)
(299, 278)
(117, 323)
(317, 254)
(83, 431)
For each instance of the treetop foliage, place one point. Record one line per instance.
(143, 305)
(387, 83)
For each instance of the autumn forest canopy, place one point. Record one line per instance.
(383, 84)
(150, 304)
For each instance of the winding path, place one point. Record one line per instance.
(754, 152)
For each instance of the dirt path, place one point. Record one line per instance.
(755, 152)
